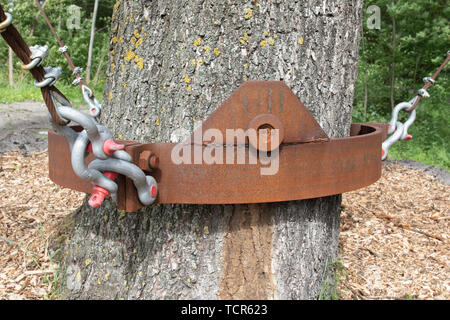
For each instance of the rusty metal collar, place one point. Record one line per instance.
(305, 162)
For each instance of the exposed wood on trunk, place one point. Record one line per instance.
(247, 272)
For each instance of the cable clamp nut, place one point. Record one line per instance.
(428, 79)
(77, 70)
(77, 81)
(423, 93)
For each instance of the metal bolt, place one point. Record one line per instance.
(262, 125)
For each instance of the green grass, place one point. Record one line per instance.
(25, 91)
(435, 155)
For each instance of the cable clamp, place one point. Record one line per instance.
(423, 93)
(50, 77)
(77, 70)
(77, 81)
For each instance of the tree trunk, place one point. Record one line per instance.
(366, 89)
(11, 67)
(172, 63)
(91, 43)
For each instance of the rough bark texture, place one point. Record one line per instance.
(172, 63)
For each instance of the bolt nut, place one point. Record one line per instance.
(148, 160)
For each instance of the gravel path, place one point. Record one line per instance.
(23, 127)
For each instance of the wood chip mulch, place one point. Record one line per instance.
(394, 241)
(30, 207)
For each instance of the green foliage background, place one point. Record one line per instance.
(34, 30)
(412, 42)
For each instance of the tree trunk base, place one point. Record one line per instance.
(258, 251)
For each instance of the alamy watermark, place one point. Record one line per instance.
(211, 147)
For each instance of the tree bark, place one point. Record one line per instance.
(171, 64)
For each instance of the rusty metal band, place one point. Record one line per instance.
(306, 170)
(21, 49)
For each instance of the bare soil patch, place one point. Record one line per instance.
(24, 126)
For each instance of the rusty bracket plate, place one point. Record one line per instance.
(310, 164)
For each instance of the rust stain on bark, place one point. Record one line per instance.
(247, 272)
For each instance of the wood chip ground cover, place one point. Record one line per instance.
(394, 241)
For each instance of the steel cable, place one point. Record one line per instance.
(21, 49)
